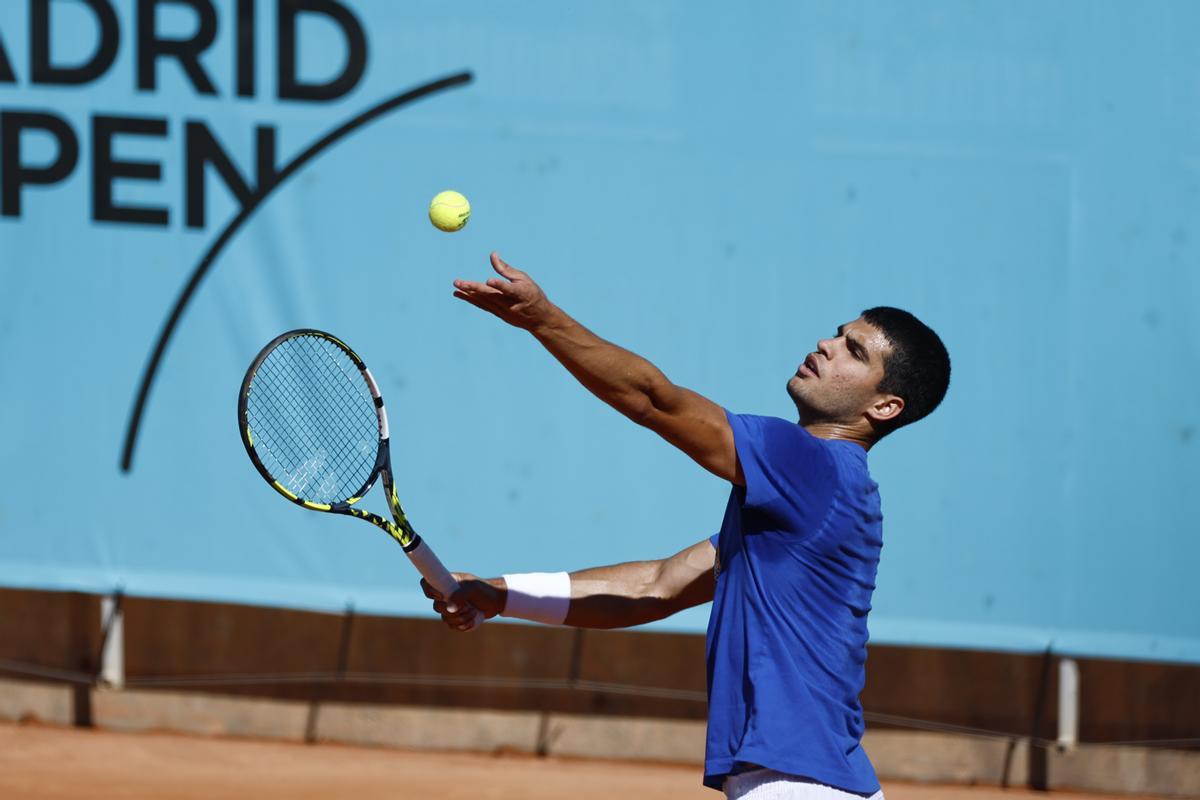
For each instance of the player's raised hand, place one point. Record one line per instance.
(513, 297)
(474, 595)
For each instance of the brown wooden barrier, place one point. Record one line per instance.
(300, 655)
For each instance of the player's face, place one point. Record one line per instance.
(837, 382)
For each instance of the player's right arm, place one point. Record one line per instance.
(617, 596)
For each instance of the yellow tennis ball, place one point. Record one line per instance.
(449, 211)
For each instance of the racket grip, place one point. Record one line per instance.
(432, 569)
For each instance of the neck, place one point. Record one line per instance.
(826, 429)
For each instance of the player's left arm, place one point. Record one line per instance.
(626, 381)
(617, 596)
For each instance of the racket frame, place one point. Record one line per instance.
(398, 527)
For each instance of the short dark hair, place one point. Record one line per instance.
(918, 368)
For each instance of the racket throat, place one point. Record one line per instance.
(409, 538)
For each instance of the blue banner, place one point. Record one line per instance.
(713, 185)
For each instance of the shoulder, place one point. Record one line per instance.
(774, 448)
(756, 423)
(773, 431)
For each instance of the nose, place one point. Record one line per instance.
(823, 346)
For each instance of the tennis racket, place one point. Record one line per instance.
(313, 423)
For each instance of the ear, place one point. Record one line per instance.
(885, 408)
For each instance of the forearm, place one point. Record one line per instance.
(618, 596)
(624, 380)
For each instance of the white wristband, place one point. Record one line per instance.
(538, 596)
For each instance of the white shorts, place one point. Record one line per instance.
(767, 784)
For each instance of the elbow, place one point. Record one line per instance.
(640, 408)
(659, 600)
(652, 402)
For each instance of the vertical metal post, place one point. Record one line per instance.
(112, 653)
(1039, 777)
(322, 689)
(1068, 704)
(82, 630)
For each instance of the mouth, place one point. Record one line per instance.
(809, 366)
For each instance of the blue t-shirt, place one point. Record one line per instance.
(787, 639)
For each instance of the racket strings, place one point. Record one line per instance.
(326, 388)
(313, 420)
(309, 416)
(315, 457)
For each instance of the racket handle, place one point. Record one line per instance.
(432, 569)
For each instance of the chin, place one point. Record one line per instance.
(796, 391)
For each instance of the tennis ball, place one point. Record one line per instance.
(449, 211)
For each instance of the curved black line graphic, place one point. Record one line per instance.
(260, 195)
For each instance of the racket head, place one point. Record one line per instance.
(312, 420)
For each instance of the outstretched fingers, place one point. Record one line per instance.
(479, 294)
(474, 287)
(494, 296)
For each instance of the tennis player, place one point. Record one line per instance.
(792, 570)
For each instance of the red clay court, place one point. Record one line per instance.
(50, 763)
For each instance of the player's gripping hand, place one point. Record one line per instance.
(513, 297)
(458, 610)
